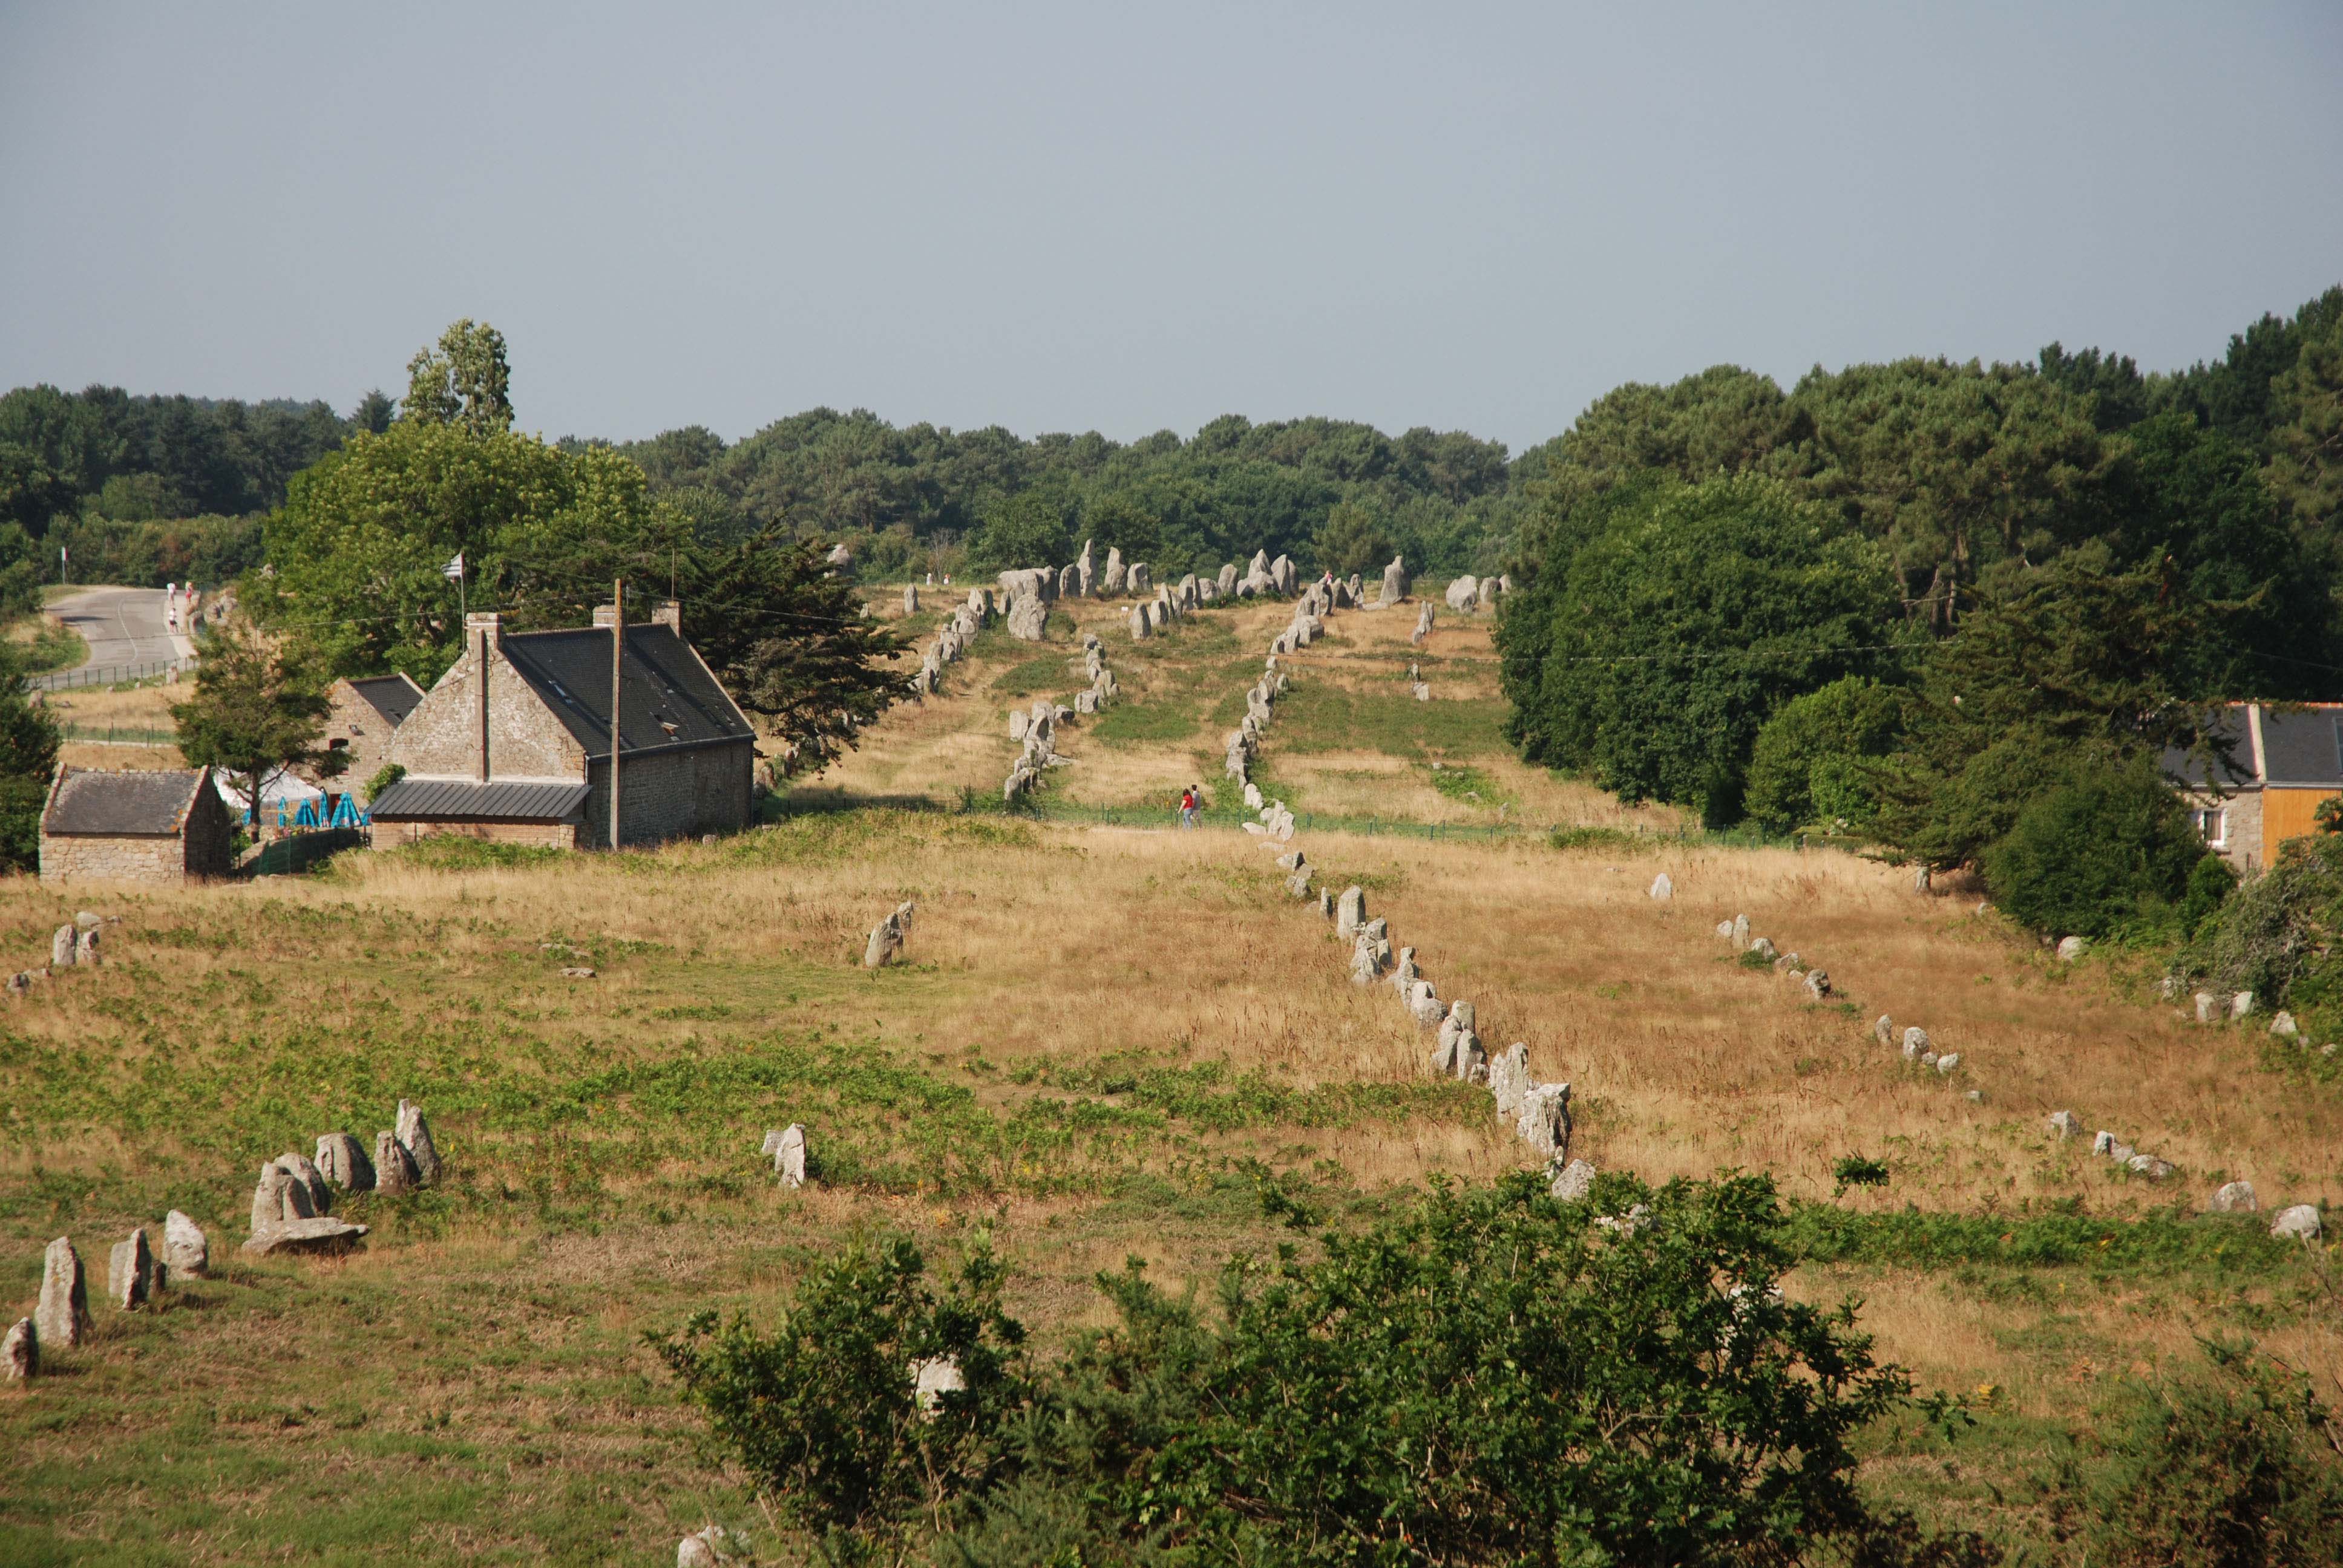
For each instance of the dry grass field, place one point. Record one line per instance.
(1102, 1039)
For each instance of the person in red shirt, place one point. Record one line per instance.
(1188, 808)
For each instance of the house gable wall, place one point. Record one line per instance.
(672, 795)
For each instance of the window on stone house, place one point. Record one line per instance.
(2212, 825)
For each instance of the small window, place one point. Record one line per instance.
(2212, 826)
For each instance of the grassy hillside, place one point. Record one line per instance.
(1103, 1039)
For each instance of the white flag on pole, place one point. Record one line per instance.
(454, 570)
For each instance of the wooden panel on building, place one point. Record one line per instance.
(2289, 814)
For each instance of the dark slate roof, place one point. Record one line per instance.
(92, 804)
(2189, 768)
(665, 695)
(467, 800)
(392, 696)
(2303, 749)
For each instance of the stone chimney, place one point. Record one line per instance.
(485, 620)
(669, 615)
(606, 616)
(484, 630)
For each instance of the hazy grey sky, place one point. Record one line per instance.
(1111, 218)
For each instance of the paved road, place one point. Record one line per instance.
(121, 625)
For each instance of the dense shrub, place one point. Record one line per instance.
(2234, 1468)
(1811, 763)
(1493, 1377)
(2280, 935)
(2109, 846)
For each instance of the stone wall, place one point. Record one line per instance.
(441, 738)
(537, 835)
(673, 795)
(2241, 842)
(360, 734)
(203, 849)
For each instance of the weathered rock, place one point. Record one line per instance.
(2149, 1166)
(577, 971)
(1112, 581)
(1763, 948)
(2063, 1125)
(787, 1147)
(394, 1167)
(2206, 1003)
(2302, 1222)
(62, 1317)
(1741, 931)
(1509, 1078)
(342, 1160)
(1139, 579)
(2284, 1026)
(1462, 594)
(20, 1353)
(1920, 878)
(1404, 972)
(2121, 1153)
(1788, 963)
(911, 606)
(1351, 911)
(187, 1251)
(1029, 617)
(1884, 1030)
(1143, 625)
(1916, 1042)
(1395, 583)
(322, 1235)
(1663, 887)
(86, 948)
(1544, 1121)
(415, 1133)
(61, 948)
(1422, 625)
(1725, 930)
(1326, 902)
(1227, 581)
(87, 920)
(2102, 1144)
(1818, 984)
(1070, 582)
(2235, 1198)
(932, 1378)
(2072, 948)
(2241, 1004)
(1423, 1004)
(1572, 1181)
(709, 1548)
(130, 1273)
(886, 942)
(312, 1181)
(1948, 1063)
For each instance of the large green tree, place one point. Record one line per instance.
(465, 381)
(1681, 624)
(28, 763)
(259, 705)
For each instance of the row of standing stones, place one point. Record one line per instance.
(1036, 729)
(2301, 1219)
(1540, 1113)
(291, 1212)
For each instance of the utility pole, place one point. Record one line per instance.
(618, 656)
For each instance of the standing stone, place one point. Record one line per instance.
(1351, 913)
(1572, 1181)
(63, 1316)
(2065, 1124)
(1143, 625)
(20, 1353)
(1070, 582)
(932, 1378)
(2206, 1002)
(130, 1273)
(1763, 946)
(2237, 1197)
(1544, 1121)
(393, 1167)
(1663, 889)
(886, 942)
(1916, 1042)
(61, 948)
(1085, 571)
(1509, 1078)
(1138, 579)
(2241, 1004)
(1112, 582)
(1921, 880)
(2284, 1026)
(1884, 1032)
(1741, 932)
(2072, 948)
(910, 605)
(312, 1182)
(1394, 582)
(1423, 624)
(786, 1146)
(1326, 902)
(86, 947)
(416, 1135)
(1423, 1004)
(1948, 1063)
(187, 1252)
(1027, 616)
(2301, 1221)
(342, 1160)
(1818, 984)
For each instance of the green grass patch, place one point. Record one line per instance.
(1315, 716)
(1051, 673)
(2162, 1243)
(1589, 838)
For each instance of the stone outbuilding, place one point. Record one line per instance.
(513, 743)
(168, 826)
(2283, 763)
(366, 713)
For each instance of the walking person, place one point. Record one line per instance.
(1188, 807)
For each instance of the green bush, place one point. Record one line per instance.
(1809, 763)
(1491, 1377)
(2234, 1468)
(2109, 846)
(2280, 935)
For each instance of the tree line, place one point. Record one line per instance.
(1966, 611)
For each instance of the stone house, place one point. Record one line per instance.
(147, 827)
(366, 713)
(513, 743)
(2283, 761)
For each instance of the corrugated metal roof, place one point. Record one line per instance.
(467, 800)
(93, 804)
